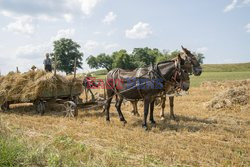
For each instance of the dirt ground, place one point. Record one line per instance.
(200, 137)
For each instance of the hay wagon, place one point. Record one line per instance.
(39, 88)
(69, 101)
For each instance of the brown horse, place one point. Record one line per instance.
(191, 65)
(142, 83)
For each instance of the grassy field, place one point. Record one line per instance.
(219, 76)
(226, 67)
(200, 137)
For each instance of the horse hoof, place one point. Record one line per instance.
(153, 122)
(124, 123)
(145, 127)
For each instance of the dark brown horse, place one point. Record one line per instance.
(192, 66)
(142, 83)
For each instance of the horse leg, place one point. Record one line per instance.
(171, 102)
(146, 107)
(163, 104)
(118, 108)
(107, 106)
(135, 109)
(151, 118)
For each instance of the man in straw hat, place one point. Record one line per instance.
(33, 68)
(47, 63)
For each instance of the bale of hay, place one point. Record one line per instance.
(38, 84)
(228, 98)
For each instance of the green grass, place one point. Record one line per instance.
(12, 152)
(219, 76)
(226, 67)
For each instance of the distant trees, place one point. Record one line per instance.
(66, 51)
(100, 61)
(140, 57)
(123, 60)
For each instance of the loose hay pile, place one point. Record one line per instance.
(33, 85)
(228, 98)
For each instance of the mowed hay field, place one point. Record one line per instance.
(200, 137)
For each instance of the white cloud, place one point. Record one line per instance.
(48, 18)
(97, 32)
(111, 46)
(236, 4)
(109, 18)
(90, 45)
(202, 50)
(68, 17)
(31, 51)
(64, 33)
(246, 2)
(87, 5)
(111, 32)
(49, 10)
(247, 27)
(231, 6)
(139, 31)
(21, 25)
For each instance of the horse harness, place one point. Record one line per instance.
(153, 70)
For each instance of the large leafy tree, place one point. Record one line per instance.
(123, 60)
(66, 51)
(145, 56)
(100, 61)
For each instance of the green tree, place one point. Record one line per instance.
(100, 61)
(66, 50)
(123, 60)
(145, 56)
(166, 55)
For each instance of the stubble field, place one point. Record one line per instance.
(200, 137)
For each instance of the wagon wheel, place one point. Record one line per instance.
(70, 109)
(5, 106)
(40, 106)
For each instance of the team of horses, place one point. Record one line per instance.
(149, 84)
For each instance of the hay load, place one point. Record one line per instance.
(228, 98)
(34, 85)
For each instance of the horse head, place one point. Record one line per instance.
(190, 62)
(173, 72)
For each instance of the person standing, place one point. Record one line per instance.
(47, 63)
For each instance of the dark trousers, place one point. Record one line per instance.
(48, 68)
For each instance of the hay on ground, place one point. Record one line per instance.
(228, 98)
(33, 85)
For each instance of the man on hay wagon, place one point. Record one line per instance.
(47, 63)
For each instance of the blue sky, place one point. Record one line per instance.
(219, 29)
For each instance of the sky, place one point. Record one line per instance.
(220, 29)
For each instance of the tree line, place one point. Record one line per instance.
(66, 51)
(140, 57)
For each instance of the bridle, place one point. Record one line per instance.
(174, 75)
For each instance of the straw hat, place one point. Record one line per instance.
(33, 67)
